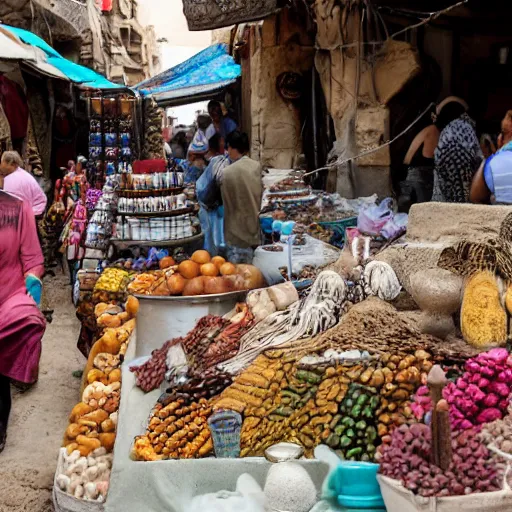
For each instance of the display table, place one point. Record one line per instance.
(168, 486)
(162, 319)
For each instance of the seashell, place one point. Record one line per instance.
(283, 452)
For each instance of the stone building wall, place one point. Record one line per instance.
(359, 81)
(114, 44)
(275, 46)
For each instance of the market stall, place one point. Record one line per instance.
(353, 381)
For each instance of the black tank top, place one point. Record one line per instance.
(418, 160)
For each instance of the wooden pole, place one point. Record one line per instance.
(436, 381)
(444, 431)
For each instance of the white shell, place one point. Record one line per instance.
(290, 488)
(283, 452)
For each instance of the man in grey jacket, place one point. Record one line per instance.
(242, 189)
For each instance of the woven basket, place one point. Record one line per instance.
(212, 14)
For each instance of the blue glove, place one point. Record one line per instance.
(34, 287)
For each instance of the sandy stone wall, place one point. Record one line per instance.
(359, 80)
(278, 45)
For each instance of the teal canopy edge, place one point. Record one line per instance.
(75, 72)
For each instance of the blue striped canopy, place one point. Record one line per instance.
(207, 72)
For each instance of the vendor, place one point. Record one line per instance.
(223, 125)
(493, 181)
(21, 324)
(242, 190)
(20, 183)
(200, 137)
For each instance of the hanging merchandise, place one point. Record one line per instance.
(154, 146)
(105, 5)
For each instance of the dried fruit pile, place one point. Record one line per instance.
(480, 395)
(285, 396)
(407, 459)
(178, 430)
(213, 340)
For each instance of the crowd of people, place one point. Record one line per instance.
(228, 185)
(446, 161)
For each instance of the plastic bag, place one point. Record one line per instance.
(395, 227)
(371, 220)
(248, 497)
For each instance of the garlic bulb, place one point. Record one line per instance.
(79, 492)
(380, 280)
(91, 491)
(63, 482)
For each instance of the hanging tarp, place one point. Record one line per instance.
(210, 14)
(13, 49)
(203, 75)
(66, 69)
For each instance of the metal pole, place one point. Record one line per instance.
(314, 116)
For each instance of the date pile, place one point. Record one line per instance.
(208, 385)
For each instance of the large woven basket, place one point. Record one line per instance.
(211, 14)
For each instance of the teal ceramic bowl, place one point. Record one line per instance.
(355, 484)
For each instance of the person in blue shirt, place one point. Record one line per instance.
(492, 183)
(221, 124)
(211, 213)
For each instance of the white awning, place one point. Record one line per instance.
(12, 49)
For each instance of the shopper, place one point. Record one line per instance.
(419, 161)
(493, 181)
(211, 212)
(20, 183)
(179, 145)
(221, 124)
(195, 163)
(458, 153)
(242, 189)
(21, 324)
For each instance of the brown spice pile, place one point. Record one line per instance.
(377, 327)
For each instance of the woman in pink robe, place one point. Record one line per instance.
(21, 324)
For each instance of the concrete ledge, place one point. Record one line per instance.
(448, 223)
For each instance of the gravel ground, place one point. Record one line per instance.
(39, 416)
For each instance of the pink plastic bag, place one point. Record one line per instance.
(371, 220)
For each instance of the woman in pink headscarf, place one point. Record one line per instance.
(21, 324)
